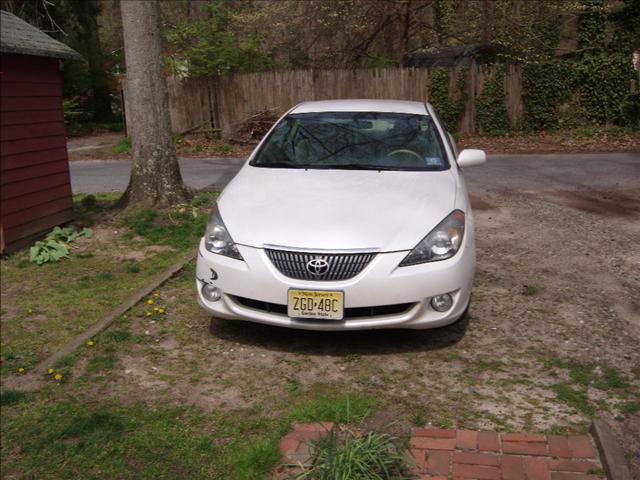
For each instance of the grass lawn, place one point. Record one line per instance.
(45, 306)
(62, 432)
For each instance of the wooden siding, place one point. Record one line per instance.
(35, 188)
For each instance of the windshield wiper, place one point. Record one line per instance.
(279, 165)
(355, 166)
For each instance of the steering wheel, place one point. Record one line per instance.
(407, 151)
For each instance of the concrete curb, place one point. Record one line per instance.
(32, 380)
(611, 454)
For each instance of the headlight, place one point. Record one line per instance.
(442, 242)
(217, 238)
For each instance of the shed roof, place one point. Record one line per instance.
(17, 36)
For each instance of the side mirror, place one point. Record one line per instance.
(471, 157)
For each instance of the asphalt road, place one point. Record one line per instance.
(610, 171)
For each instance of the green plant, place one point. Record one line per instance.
(256, 460)
(68, 234)
(574, 397)
(629, 408)
(11, 397)
(133, 267)
(544, 89)
(374, 456)
(123, 145)
(70, 112)
(352, 407)
(529, 290)
(604, 87)
(610, 378)
(178, 227)
(102, 363)
(449, 105)
(223, 148)
(491, 110)
(418, 418)
(44, 251)
(56, 245)
(292, 385)
(211, 46)
(592, 24)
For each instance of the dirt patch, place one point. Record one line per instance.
(480, 203)
(595, 201)
(387, 420)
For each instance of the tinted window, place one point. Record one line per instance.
(354, 140)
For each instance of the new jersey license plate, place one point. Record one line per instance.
(318, 304)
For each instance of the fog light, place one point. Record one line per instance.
(442, 303)
(210, 292)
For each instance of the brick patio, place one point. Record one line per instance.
(295, 446)
(441, 454)
(467, 454)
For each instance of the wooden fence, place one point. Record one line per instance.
(227, 102)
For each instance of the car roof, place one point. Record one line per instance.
(362, 105)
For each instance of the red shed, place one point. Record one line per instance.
(35, 193)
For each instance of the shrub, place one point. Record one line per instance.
(374, 456)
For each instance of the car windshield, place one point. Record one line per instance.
(354, 141)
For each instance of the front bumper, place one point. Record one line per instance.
(255, 290)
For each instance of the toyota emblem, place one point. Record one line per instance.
(318, 266)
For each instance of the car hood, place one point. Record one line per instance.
(335, 209)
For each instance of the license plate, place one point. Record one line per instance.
(318, 304)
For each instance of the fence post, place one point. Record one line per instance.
(513, 93)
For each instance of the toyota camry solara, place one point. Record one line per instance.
(350, 214)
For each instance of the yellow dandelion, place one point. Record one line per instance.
(148, 314)
(50, 371)
(156, 294)
(149, 302)
(21, 370)
(161, 311)
(156, 309)
(58, 377)
(90, 343)
(30, 310)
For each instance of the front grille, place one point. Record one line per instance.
(319, 266)
(355, 312)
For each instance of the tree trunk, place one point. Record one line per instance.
(404, 36)
(155, 174)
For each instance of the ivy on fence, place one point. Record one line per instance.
(594, 89)
(449, 105)
(491, 108)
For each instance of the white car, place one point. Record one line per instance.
(350, 214)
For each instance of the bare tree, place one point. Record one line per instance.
(155, 175)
